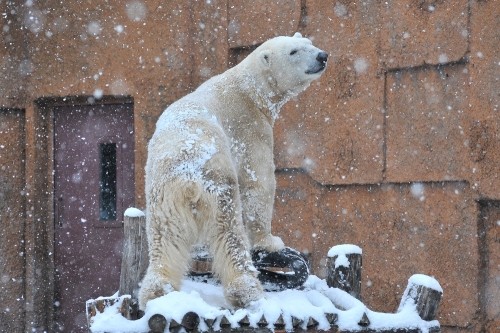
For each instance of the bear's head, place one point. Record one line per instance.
(290, 64)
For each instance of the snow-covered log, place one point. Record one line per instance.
(344, 268)
(135, 252)
(424, 293)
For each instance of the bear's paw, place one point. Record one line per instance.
(269, 243)
(152, 287)
(243, 290)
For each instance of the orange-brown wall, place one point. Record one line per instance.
(410, 96)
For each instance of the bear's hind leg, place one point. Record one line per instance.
(169, 241)
(231, 248)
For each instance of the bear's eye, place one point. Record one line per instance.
(293, 52)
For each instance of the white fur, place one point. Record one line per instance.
(210, 171)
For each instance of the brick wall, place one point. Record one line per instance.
(396, 148)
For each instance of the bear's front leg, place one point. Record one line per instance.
(257, 200)
(257, 214)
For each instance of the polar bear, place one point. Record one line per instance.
(210, 170)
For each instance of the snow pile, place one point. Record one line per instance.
(425, 281)
(315, 300)
(134, 212)
(341, 252)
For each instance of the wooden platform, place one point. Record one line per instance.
(419, 303)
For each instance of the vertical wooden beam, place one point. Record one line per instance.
(135, 252)
(39, 226)
(344, 265)
(423, 292)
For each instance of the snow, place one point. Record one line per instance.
(425, 281)
(136, 10)
(314, 301)
(340, 10)
(341, 252)
(417, 190)
(360, 65)
(119, 28)
(94, 28)
(443, 58)
(98, 93)
(344, 249)
(134, 212)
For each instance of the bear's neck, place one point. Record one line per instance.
(264, 95)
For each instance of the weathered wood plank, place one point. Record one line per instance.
(135, 252)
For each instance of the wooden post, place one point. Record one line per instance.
(135, 257)
(344, 264)
(201, 260)
(423, 292)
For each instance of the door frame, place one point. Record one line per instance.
(40, 219)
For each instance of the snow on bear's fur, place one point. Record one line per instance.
(210, 170)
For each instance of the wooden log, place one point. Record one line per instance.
(210, 323)
(344, 265)
(135, 257)
(364, 321)
(280, 323)
(157, 323)
(244, 322)
(91, 311)
(134, 311)
(126, 308)
(311, 323)
(225, 323)
(201, 261)
(331, 317)
(296, 322)
(174, 326)
(100, 305)
(423, 292)
(190, 321)
(262, 322)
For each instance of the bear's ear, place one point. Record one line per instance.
(264, 57)
(297, 35)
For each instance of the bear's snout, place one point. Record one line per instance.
(322, 57)
(320, 64)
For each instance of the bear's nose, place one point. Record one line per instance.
(322, 57)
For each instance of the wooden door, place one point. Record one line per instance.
(94, 184)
